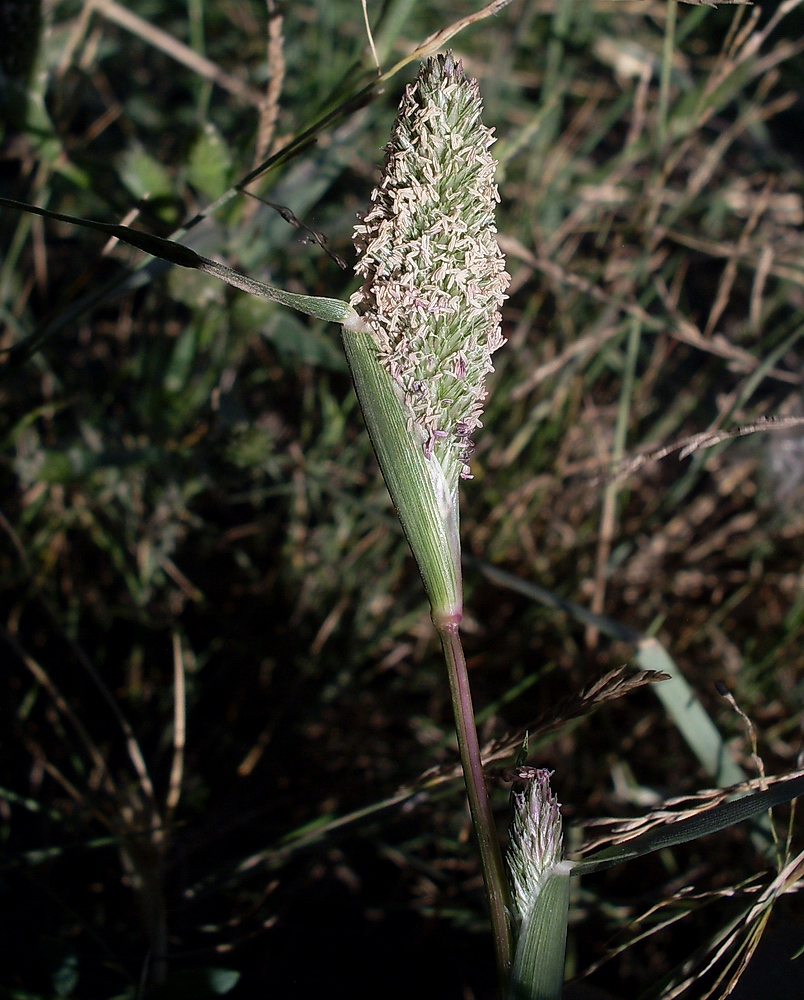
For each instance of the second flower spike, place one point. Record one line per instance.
(539, 889)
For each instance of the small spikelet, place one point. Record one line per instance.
(537, 838)
(434, 275)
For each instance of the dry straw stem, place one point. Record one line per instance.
(269, 109)
(706, 439)
(269, 106)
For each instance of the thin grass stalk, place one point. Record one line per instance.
(494, 876)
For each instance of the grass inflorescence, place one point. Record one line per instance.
(228, 736)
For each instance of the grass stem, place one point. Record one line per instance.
(494, 876)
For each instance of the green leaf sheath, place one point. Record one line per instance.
(538, 969)
(429, 514)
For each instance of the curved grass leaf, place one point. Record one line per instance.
(330, 310)
(695, 823)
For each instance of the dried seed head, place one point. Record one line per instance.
(537, 839)
(434, 276)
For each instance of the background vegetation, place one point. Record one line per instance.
(192, 516)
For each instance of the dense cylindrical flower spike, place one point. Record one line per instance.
(434, 275)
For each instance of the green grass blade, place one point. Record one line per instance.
(696, 823)
(330, 310)
(689, 716)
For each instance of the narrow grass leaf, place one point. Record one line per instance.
(330, 310)
(695, 823)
